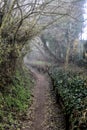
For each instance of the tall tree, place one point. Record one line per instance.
(20, 21)
(62, 34)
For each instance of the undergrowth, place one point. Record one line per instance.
(15, 101)
(72, 87)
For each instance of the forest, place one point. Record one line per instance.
(43, 64)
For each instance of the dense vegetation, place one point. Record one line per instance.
(20, 22)
(15, 100)
(72, 88)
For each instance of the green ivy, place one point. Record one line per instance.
(72, 87)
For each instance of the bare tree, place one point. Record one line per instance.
(21, 20)
(62, 34)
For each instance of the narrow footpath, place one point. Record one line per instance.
(44, 113)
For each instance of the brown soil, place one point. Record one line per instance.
(44, 113)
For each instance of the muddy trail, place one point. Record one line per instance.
(44, 113)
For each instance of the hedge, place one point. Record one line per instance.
(72, 88)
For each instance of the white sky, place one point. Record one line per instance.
(84, 35)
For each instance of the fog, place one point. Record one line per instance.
(84, 35)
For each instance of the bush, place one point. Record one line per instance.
(72, 87)
(15, 101)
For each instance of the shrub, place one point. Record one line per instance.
(15, 101)
(72, 88)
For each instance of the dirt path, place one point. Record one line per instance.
(44, 113)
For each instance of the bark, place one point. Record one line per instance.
(52, 55)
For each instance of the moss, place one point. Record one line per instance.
(15, 101)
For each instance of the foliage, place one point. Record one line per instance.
(72, 88)
(14, 103)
